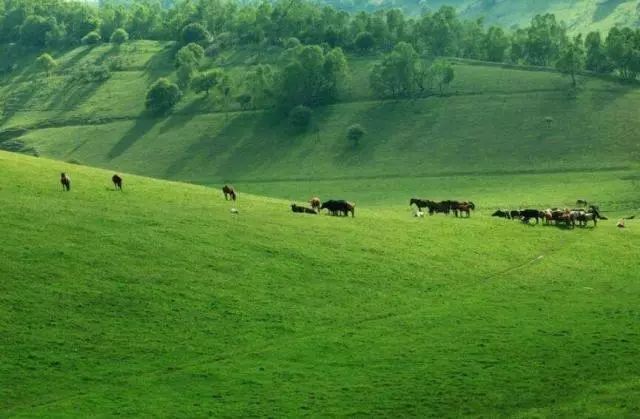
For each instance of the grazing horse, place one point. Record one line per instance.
(583, 217)
(303, 210)
(460, 208)
(315, 203)
(339, 207)
(528, 214)
(420, 203)
(502, 214)
(228, 191)
(117, 182)
(65, 181)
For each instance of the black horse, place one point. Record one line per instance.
(339, 207)
(117, 182)
(65, 181)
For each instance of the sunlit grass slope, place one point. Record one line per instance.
(158, 301)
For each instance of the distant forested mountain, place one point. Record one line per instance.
(579, 15)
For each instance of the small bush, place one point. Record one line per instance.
(162, 96)
(355, 133)
(92, 38)
(195, 32)
(300, 117)
(119, 36)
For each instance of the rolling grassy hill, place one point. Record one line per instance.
(493, 121)
(158, 302)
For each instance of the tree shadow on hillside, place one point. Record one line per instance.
(143, 124)
(604, 9)
(184, 116)
(237, 150)
(160, 64)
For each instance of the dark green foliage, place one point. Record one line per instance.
(244, 100)
(195, 32)
(596, 56)
(92, 38)
(300, 117)
(187, 61)
(365, 41)
(206, 81)
(623, 51)
(355, 133)
(496, 44)
(119, 36)
(397, 75)
(162, 96)
(33, 31)
(310, 77)
(571, 59)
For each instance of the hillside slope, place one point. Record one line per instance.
(156, 301)
(493, 120)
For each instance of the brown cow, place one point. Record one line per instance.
(229, 192)
(65, 181)
(315, 203)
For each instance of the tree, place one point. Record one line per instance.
(119, 36)
(364, 41)
(206, 81)
(545, 39)
(571, 59)
(162, 96)
(623, 51)
(33, 31)
(259, 83)
(46, 63)
(300, 117)
(443, 74)
(195, 32)
(397, 74)
(495, 44)
(187, 61)
(596, 57)
(92, 38)
(355, 133)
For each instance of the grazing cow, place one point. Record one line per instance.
(502, 214)
(303, 210)
(65, 181)
(339, 207)
(515, 214)
(229, 192)
(315, 203)
(418, 214)
(620, 223)
(528, 214)
(583, 217)
(117, 182)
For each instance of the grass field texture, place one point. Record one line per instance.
(157, 301)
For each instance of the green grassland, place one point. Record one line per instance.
(157, 301)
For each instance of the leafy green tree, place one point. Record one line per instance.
(443, 74)
(395, 76)
(259, 82)
(545, 39)
(46, 63)
(571, 59)
(310, 77)
(205, 82)
(195, 32)
(300, 117)
(162, 96)
(119, 36)
(187, 60)
(355, 133)
(596, 56)
(365, 42)
(92, 38)
(623, 51)
(440, 32)
(472, 40)
(496, 43)
(33, 31)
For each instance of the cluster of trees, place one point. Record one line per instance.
(217, 24)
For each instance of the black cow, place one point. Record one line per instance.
(303, 210)
(515, 214)
(502, 214)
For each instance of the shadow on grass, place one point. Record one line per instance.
(160, 64)
(605, 8)
(142, 126)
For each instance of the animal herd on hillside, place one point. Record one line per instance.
(337, 207)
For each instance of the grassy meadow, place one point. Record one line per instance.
(157, 301)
